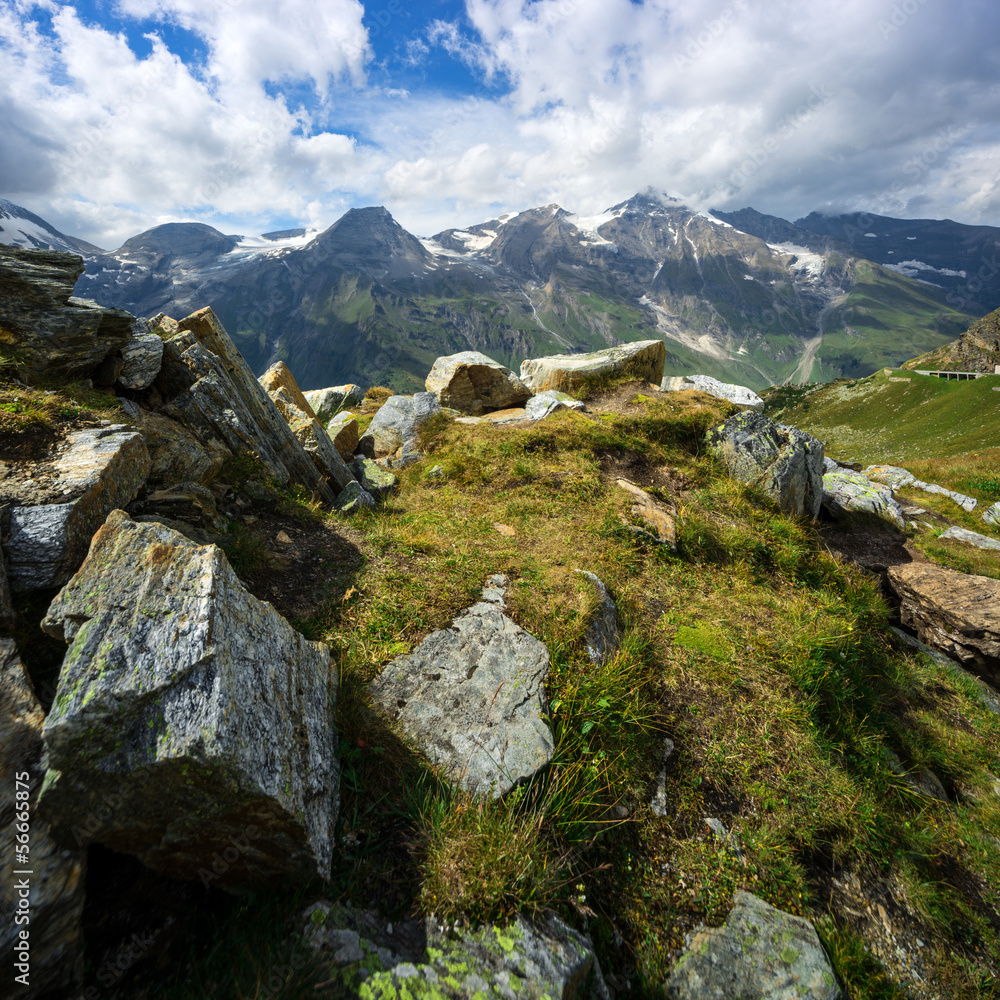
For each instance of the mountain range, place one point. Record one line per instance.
(742, 296)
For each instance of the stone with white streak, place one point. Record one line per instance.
(189, 717)
(738, 394)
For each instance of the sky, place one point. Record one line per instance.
(258, 115)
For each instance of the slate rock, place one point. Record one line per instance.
(957, 614)
(642, 360)
(373, 478)
(393, 430)
(94, 471)
(970, 538)
(142, 356)
(191, 725)
(56, 882)
(278, 376)
(760, 953)
(738, 394)
(603, 636)
(472, 696)
(784, 462)
(846, 493)
(352, 498)
(992, 514)
(57, 335)
(363, 955)
(545, 403)
(327, 402)
(473, 383)
(343, 431)
(177, 454)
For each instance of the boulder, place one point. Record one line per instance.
(392, 433)
(421, 958)
(957, 534)
(352, 498)
(177, 454)
(784, 462)
(55, 874)
(343, 431)
(738, 394)
(215, 395)
(846, 493)
(191, 725)
(279, 377)
(66, 501)
(472, 696)
(471, 382)
(992, 514)
(545, 403)
(55, 334)
(603, 635)
(373, 478)
(760, 952)
(327, 402)
(142, 356)
(642, 361)
(955, 613)
(659, 518)
(165, 325)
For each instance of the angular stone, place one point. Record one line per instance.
(421, 958)
(759, 952)
(373, 478)
(472, 696)
(58, 336)
(846, 493)
(177, 454)
(327, 402)
(547, 402)
(784, 462)
(955, 613)
(166, 325)
(992, 514)
(190, 719)
(142, 356)
(970, 538)
(658, 517)
(56, 882)
(738, 394)
(343, 431)
(642, 360)
(393, 430)
(603, 635)
(225, 403)
(279, 377)
(471, 382)
(352, 498)
(94, 471)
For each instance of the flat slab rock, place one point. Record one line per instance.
(642, 360)
(191, 724)
(972, 538)
(472, 696)
(366, 957)
(760, 953)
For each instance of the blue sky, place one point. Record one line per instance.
(253, 115)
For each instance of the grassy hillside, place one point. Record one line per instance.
(899, 418)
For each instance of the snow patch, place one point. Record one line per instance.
(589, 226)
(808, 261)
(911, 268)
(475, 242)
(748, 277)
(911, 237)
(871, 236)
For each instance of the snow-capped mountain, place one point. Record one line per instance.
(21, 228)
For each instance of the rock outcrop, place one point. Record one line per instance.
(142, 356)
(784, 462)
(177, 454)
(955, 613)
(472, 383)
(642, 360)
(191, 725)
(738, 394)
(279, 377)
(66, 500)
(392, 434)
(760, 952)
(50, 887)
(846, 493)
(472, 696)
(53, 333)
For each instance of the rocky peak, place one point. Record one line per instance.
(180, 239)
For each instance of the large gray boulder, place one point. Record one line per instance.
(784, 462)
(364, 955)
(392, 434)
(51, 874)
(56, 512)
(191, 725)
(471, 382)
(738, 394)
(213, 392)
(642, 360)
(846, 493)
(955, 613)
(328, 402)
(57, 335)
(760, 953)
(472, 696)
